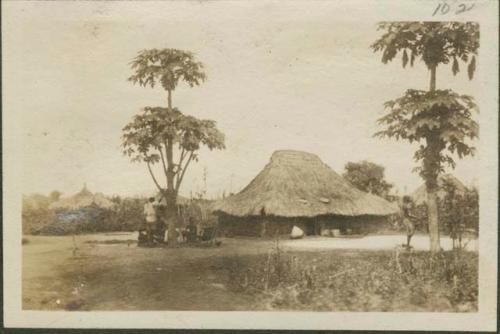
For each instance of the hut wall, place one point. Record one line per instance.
(272, 226)
(235, 226)
(355, 225)
(259, 226)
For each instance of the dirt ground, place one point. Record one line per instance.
(122, 276)
(374, 242)
(109, 272)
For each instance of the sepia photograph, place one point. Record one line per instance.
(267, 158)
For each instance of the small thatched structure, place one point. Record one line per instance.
(419, 196)
(297, 188)
(82, 199)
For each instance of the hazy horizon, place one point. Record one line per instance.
(306, 83)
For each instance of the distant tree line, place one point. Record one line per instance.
(39, 218)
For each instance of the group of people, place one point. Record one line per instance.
(155, 229)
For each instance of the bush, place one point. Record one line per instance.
(128, 214)
(34, 220)
(458, 211)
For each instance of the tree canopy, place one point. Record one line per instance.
(167, 67)
(149, 135)
(367, 176)
(442, 115)
(435, 42)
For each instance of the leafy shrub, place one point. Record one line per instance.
(458, 211)
(128, 214)
(34, 219)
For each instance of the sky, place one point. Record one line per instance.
(279, 77)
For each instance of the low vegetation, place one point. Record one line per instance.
(359, 280)
(458, 212)
(241, 274)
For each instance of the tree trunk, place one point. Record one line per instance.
(171, 217)
(432, 210)
(431, 169)
(171, 196)
(433, 78)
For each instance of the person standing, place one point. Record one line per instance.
(408, 219)
(160, 223)
(191, 231)
(150, 216)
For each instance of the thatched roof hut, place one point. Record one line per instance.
(420, 195)
(299, 184)
(82, 199)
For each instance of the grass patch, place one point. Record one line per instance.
(358, 280)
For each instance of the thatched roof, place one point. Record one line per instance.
(82, 199)
(420, 195)
(299, 184)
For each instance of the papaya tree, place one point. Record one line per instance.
(440, 121)
(164, 135)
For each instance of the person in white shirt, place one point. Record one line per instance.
(150, 215)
